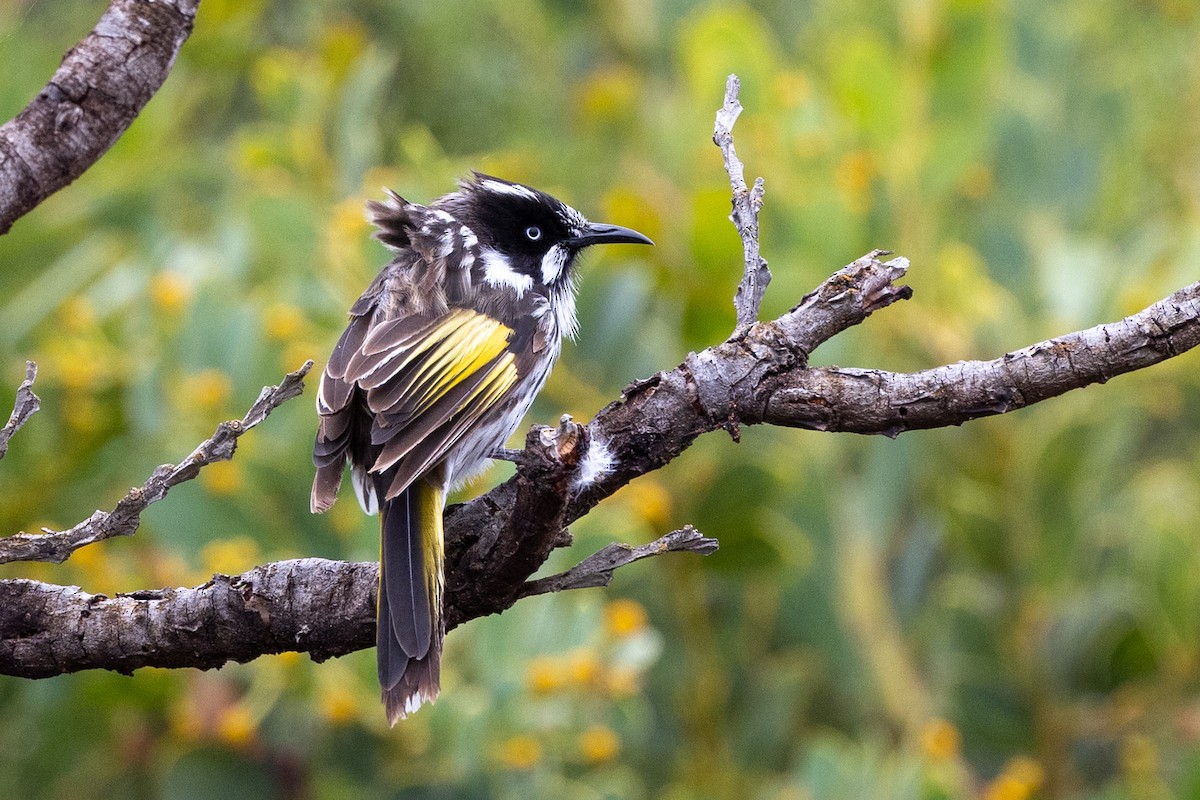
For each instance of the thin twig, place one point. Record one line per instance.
(597, 569)
(26, 405)
(747, 202)
(844, 299)
(123, 520)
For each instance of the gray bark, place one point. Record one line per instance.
(102, 84)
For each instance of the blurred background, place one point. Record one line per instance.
(1006, 610)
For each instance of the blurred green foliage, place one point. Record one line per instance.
(1007, 610)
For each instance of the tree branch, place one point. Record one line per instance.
(102, 84)
(597, 569)
(746, 205)
(496, 541)
(889, 403)
(57, 546)
(325, 608)
(278, 607)
(25, 406)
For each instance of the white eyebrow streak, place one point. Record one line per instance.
(553, 262)
(514, 189)
(499, 272)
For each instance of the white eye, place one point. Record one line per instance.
(533, 233)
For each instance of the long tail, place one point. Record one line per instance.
(409, 614)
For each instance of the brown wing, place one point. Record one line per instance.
(396, 396)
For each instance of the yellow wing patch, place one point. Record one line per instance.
(442, 382)
(456, 347)
(466, 349)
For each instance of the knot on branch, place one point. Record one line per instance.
(563, 445)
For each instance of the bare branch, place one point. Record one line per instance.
(762, 377)
(729, 384)
(888, 403)
(287, 605)
(492, 550)
(597, 569)
(57, 546)
(102, 84)
(26, 405)
(746, 205)
(325, 608)
(845, 299)
(496, 541)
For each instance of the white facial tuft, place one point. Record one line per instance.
(553, 263)
(560, 310)
(499, 272)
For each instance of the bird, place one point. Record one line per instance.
(442, 357)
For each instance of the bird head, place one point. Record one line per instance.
(528, 238)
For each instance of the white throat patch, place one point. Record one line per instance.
(553, 263)
(499, 272)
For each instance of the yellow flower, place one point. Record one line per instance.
(940, 740)
(650, 500)
(169, 292)
(853, 176)
(83, 414)
(255, 153)
(1020, 778)
(94, 564)
(598, 744)
(521, 752)
(208, 389)
(977, 182)
(346, 518)
(624, 618)
(275, 71)
(222, 477)
(80, 364)
(339, 704)
(609, 93)
(342, 43)
(791, 88)
(282, 321)
(544, 675)
(236, 725)
(229, 556)
(168, 569)
(960, 262)
(622, 681)
(297, 352)
(348, 222)
(1027, 771)
(1006, 787)
(288, 659)
(583, 667)
(628, 203)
